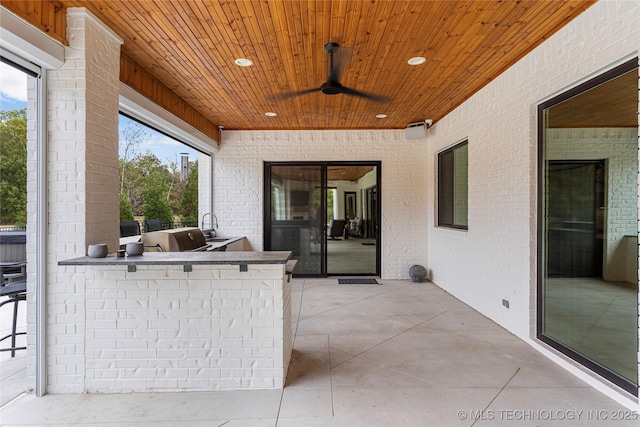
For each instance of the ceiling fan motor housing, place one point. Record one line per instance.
(331, 47)
(331, 88)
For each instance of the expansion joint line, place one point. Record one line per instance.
(389, 339)
(497, 394)
(330, 375)
(294, 333)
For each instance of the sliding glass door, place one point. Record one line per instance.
(352, 235)
(326, 213)
(294, 219)
(588, 229)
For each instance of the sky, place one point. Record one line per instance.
(13, 88)
(13, 96)
(165, 148)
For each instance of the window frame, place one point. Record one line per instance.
(37, 203)
(139, 108)
(542, 114)
(442, 203)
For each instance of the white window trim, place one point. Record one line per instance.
(28, 42)
(143, 109)
(30, 48)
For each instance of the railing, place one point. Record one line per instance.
(14, 228)
(167, 225)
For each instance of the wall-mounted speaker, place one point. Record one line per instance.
(414, 131)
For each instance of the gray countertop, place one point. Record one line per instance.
(215, 242)
(186, 258)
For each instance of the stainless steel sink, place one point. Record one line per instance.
(216, 239)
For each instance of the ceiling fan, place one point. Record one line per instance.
(333, 86)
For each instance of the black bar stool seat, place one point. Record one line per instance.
(16, 292)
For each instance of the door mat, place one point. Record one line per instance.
(368, 244)
(357, 282)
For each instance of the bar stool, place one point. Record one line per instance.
(16, 292)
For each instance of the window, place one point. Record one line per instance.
(332, 198)
(158, 176)
(13, 151)
(587, 304)
(23, 195)
(453, 183)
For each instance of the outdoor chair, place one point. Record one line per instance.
(15, 290)
(152, 225)
(129, 228)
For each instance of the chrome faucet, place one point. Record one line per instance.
(212, 230)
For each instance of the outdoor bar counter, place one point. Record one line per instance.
(173, 321)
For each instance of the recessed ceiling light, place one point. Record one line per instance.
(244, 62)
(416, 60)
(270, 114)
(381, 116)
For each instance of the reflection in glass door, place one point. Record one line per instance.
(326, 214)
(295, 220)
(588, 230)
(352, 247)
(575, 226)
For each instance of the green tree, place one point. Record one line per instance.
(13, 167)
(330, 194)
(126, 214)
(156, 203)
(135, 180)
(133, 135)
(189, 201)
(136, 169)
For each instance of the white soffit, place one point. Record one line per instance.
(29, 43)
(139, 107)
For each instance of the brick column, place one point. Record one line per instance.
(83, 183)
(204, 186)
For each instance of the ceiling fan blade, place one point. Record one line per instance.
(372, 97)
(337, 56)
(289, 95)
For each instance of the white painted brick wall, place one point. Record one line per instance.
(161, 329)
(82, 121)
(496, 258)
(238, 183)
(204, 185)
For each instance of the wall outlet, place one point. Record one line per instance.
(505, 302)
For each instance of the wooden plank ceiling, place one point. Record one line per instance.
(311, 173)
(190, 46)
(612, 104)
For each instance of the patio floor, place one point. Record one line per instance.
(398, 353)
(13, 370)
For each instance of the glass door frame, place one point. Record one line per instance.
(542, 248)
(267, 208)
(325, 165)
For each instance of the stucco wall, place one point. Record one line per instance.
(496, 258)
(238, 183)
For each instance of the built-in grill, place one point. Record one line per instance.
(176, 240)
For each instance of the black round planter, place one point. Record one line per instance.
(417, 273)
